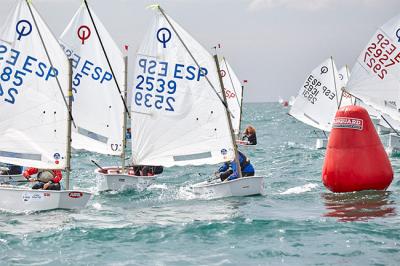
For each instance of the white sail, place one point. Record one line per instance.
(375, 78)
(343, 77)
(98, 107)
(317, 102)
(33, 82)
(177, 117)
(233, 92)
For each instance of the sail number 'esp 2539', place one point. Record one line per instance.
(157, 82)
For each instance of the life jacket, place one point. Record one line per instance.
(245, 162)
(45, 175)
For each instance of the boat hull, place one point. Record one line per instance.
(12, 178)
(26, 199)
(245, 186)
(321, 144)
(115, 180)
(244, 143)
(393, 147)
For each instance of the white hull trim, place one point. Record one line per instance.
(114, 179)
(25, 199)
(245, 186)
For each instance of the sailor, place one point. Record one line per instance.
(228, 171)
(249, 135)
(128, 133)
(45, 179)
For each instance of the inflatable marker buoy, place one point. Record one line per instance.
(355, 158)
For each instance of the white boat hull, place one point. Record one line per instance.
(11, 178)
(26, 199)
(321, 144)
(244, 143)
(115, 180)
(393, 144)
(384, 130)
(245, 186)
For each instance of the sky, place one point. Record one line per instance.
(274, 44)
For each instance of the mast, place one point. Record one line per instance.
(125, 114)
(334, 81)
(237, 162)
(234, 90)
(68, 159)
(241, 109)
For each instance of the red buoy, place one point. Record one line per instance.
(355, 158)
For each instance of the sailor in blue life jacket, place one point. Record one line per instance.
(228, 171)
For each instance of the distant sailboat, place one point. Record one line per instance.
(35, 121)
(345, 99)
(317, 102)
(178, 108)
(233, 93)
(375, 76)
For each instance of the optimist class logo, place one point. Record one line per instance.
(84, 33)
(348, 122)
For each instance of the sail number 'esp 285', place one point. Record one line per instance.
(16, 66)
(157, 82)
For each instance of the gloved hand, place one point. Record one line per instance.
(26, 175)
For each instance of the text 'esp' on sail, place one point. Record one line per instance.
(177, 116)
(317, 102)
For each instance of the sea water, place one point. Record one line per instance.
(297, 222)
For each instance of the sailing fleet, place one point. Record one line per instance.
(62, 95)
(69, 94)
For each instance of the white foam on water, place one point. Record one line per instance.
(97, 206)
(158, 186)
(300, 189)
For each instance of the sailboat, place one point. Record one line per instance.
(234, 95)
(375, 76)
(35, 120)
(345, 99)
(179, 110)
(318, 101)
(100, 75)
